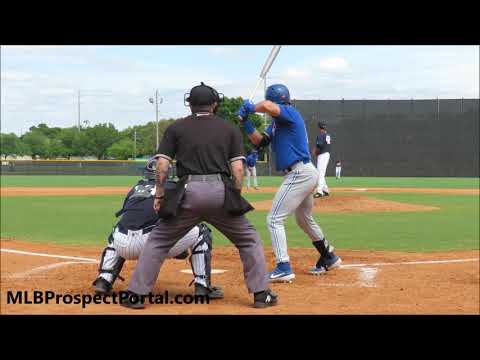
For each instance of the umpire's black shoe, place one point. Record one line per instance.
(212, 292)
(133, 301)
(102, 286)
(264, 299)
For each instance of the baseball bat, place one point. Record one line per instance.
(266, 67)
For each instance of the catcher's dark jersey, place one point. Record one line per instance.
(202, 144)
(323, 142)
(137, 211)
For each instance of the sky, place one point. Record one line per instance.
(41, 83)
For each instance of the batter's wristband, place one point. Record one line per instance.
(248, 126)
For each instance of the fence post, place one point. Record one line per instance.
(438, 109)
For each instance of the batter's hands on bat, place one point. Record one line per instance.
(249, 106)
(242, 113)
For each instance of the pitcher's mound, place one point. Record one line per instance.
(353, 203)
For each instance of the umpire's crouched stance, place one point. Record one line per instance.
(205, 147)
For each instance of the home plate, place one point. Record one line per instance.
(214, 271)
(359, 189)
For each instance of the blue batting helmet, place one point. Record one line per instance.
(278, 94)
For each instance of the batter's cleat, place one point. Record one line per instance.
(282, 273)
(212, 292)
(256, 187)
(133, 301)
(325, 264)
(102, 286)
(326, 193)
(317, 195)
(265, 299)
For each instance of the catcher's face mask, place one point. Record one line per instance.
(151, 167)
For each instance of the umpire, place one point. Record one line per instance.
(209, 153)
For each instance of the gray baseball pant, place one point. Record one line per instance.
(294, 196)
(203, 202)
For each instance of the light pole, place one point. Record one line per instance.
(134, 143)
(156, 102)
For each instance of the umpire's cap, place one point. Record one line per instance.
(322, 125)
(202, 95)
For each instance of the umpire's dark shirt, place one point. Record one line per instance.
(202, 144)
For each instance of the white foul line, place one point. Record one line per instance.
(48, 255)
(408, 263)
(346, 266)
(42, 268)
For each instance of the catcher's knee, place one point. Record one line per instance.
(128, 246)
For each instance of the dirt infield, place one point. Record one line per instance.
(353, 203)
(122, 190)
(369, 283)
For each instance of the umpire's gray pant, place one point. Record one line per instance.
(203, 202)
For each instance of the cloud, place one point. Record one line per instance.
(15, 76)
(223, 50)
(333, 65)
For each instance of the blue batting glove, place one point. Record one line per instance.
(242, 112)
(249, 106)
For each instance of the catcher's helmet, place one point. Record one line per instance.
(202, 95)
(278, 94)
(151, 167)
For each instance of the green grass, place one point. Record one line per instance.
(89, 219)
(100, 180)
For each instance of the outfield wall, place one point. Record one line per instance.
(399, 137)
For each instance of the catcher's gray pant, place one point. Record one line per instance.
(322, 163)
(252, 171)
(203, 202)
(294, 196)
(130, 246)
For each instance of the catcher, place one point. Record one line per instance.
(127, 240)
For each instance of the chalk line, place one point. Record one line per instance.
(48, 255)
(346, 266)
(42, 269)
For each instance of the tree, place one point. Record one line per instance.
(56, 148)
(228, 110)
(121, 150)
(11, 144)
(101, 137)
(37, 142)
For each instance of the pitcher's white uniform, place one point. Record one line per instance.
(338, 169)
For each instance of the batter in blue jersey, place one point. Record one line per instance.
(288, 137)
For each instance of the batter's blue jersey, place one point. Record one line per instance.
(289, 138)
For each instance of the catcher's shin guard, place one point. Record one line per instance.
(111, 265)
(201, 258)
